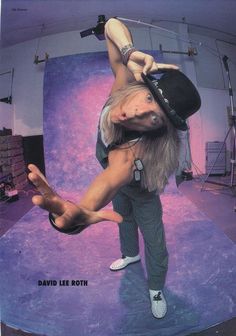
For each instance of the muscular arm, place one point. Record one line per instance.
(117, 37)
(104, 187)
(99, 193)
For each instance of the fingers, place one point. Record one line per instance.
(34, 169)
(54, 204)
(38, 200)
(157, 67)
(48, 200)
(148, 64)
(138, 77)
(41, 184)
(110, 215)
(66, 221)
(167, 66)
(84, 217)
(39, 180)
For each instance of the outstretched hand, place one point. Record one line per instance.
(141, 62)
(68, 215)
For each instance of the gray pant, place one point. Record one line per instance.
(142, 209)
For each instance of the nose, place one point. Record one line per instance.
(140, 110)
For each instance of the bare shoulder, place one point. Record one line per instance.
(121, 162)
(120, 155)
(125, 153)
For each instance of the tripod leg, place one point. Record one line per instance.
(233, 155)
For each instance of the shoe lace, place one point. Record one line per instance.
(157, 297)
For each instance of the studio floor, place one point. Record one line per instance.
(216, 202)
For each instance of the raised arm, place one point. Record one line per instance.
(127, 63)
(117, 37)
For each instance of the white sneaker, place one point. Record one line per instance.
(158, 302)
(123, 262)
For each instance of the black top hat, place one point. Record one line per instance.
(176, 95)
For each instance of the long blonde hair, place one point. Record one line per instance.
(158, 150)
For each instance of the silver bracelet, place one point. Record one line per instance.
(126, 51)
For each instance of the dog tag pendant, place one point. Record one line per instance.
(137, 175)
(138, 164)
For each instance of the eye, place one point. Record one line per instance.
(149, 97)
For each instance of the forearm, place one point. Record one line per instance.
(118, 33)
(104, 188)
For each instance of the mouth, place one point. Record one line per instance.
(143, 124)
(141, 128)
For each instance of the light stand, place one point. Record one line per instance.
(232, 131)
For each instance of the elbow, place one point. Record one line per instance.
(110, 24)
(111, 21)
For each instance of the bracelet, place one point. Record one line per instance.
(126, 51)
(69, 231)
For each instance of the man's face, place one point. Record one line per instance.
(140, 112)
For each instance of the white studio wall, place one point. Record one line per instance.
(28, 77)
(210, 124)
(6, 116)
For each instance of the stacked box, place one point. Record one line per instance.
(12, 160)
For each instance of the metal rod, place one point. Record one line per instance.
(7, 72)
(149, 25)
(190, 52)
(12, 76)
(174, 52)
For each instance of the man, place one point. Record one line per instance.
(138, 148)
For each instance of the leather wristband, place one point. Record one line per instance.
(69, 231)
(126, 51)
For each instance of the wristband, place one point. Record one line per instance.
(126, 51)
(69, 231)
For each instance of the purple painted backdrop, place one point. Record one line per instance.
(200, 287)
(75, 89)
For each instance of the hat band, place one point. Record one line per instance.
(170, 112)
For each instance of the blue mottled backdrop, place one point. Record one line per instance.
(200, 287)
(75, 90)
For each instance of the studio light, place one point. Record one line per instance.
(98, 30)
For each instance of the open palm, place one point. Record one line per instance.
(68, 214)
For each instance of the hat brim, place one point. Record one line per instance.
(175, 119)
